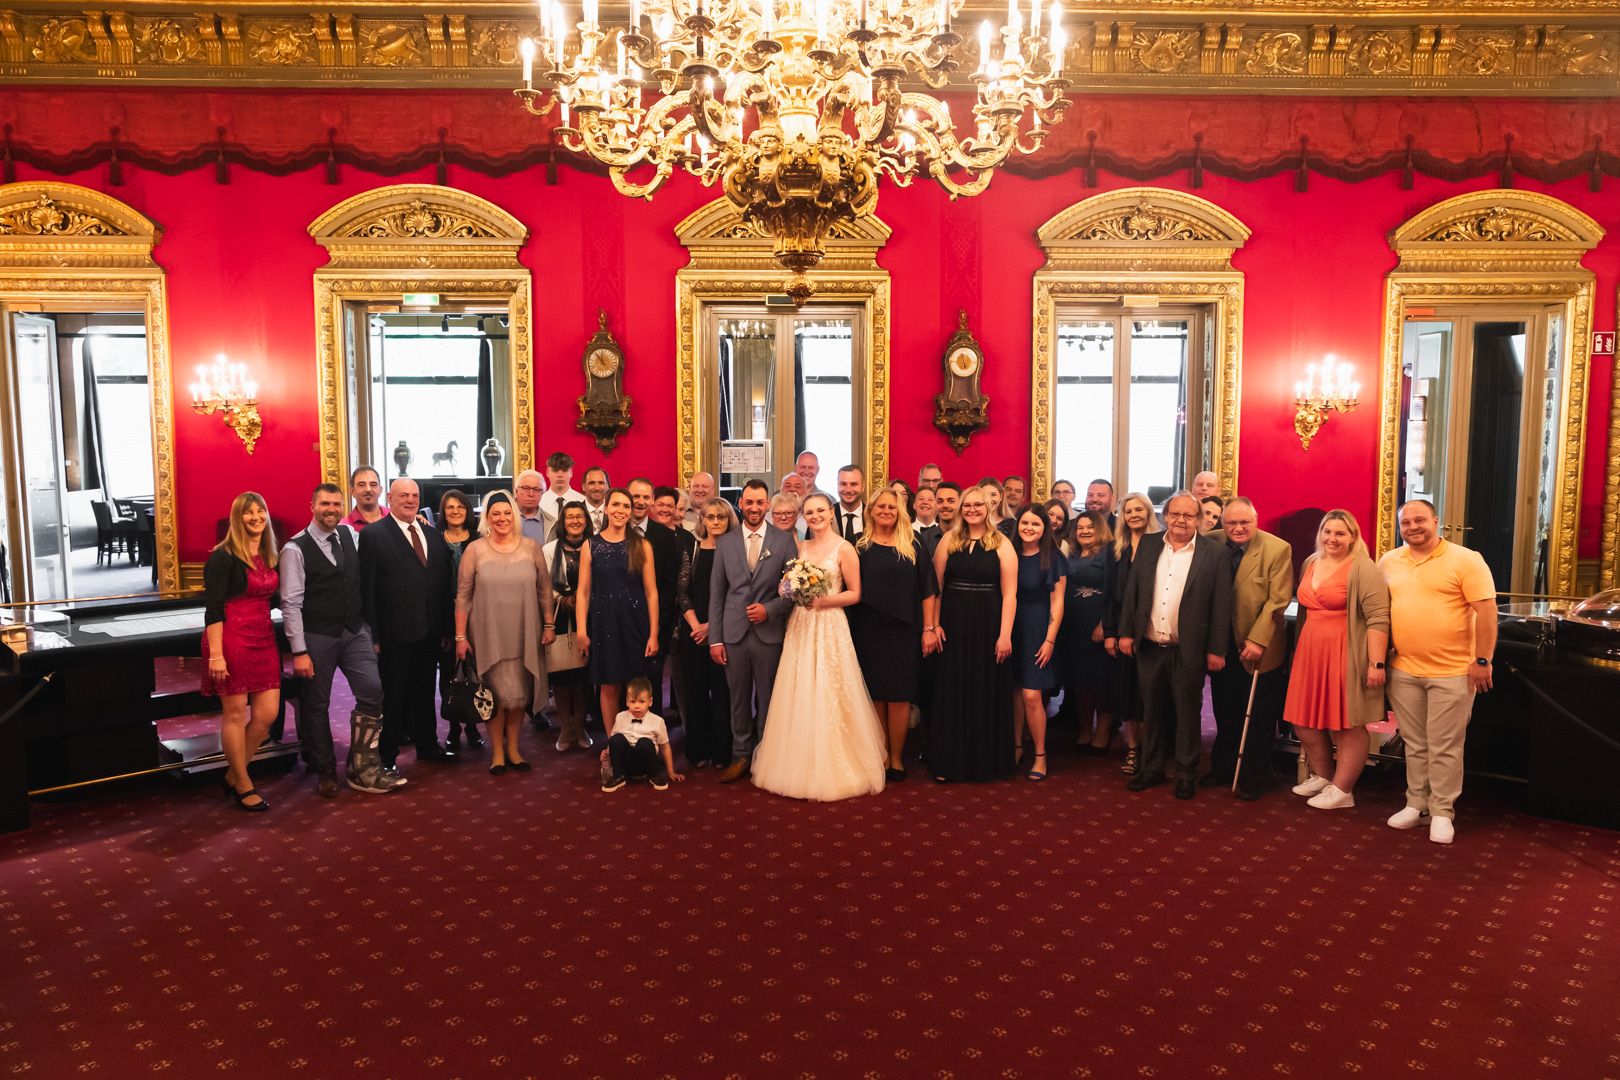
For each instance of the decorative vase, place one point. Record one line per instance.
(492, 455)
(402, 457)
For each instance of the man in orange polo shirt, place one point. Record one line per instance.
(1442, 631)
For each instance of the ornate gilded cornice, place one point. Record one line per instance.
(1519, 47)
(422, 226)
(66, 227)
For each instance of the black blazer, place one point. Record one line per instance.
(402, 599)
(1204, 620)
(667, 547)
(224, 576)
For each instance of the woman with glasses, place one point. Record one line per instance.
(568, 686)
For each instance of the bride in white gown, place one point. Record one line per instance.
(821, 739)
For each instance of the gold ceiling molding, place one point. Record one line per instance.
(1148, 243)
(1431, 47)
(1497, 246)
(65, 244)
(418, 238)
(732, 263)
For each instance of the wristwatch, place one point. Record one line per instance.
(1379, 664)
(461, 637)
(1481, 661)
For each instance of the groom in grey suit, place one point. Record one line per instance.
(747, 617)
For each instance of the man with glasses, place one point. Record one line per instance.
(929, 476)
(1175, 619)
(526, 494)
(1063, 492)
(1262, 569)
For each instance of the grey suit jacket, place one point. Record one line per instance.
(733, 587)
(1204, 619)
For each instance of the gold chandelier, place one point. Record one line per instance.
(795, 106)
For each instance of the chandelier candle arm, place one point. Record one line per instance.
(797, 66)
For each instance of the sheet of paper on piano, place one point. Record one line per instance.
(135, 625)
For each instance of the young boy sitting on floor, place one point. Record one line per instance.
(636, 742)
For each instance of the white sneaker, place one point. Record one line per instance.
(1331, 798)
(1313, 786)
(1408, 818)
(1441, 830)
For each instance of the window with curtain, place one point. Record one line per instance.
(427, 383)
(115, 432)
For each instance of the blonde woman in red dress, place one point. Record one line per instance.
(1336, 686)
(241, 662)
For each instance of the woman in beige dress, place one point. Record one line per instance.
(503, 618)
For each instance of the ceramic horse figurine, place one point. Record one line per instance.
(446, 458)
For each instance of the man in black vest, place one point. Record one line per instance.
(408, 597)
(321, 612)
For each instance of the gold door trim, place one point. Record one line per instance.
(732, 263)
(1140, 243)
(66, 243)
(418, 238)
(1491, 247)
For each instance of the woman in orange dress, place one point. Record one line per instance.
(1336, 687)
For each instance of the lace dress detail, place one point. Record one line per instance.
(821, 739)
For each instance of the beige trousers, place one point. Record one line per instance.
(1433, 717)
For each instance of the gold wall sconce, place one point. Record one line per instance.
(1326, 388)
(224, 387)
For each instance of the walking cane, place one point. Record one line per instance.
(1243, 740)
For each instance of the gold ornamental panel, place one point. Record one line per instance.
(65, 244)
(1491, 247)
(733, 263)
(1141, 242)
(1609, 557)
(418, 238)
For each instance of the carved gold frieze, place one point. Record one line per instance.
(422, 226)
(1348, 46)
(65, 243)
(1141, 242)
(1496, 246)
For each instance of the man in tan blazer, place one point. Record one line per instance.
(1262, 575)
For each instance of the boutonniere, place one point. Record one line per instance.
(765, 554)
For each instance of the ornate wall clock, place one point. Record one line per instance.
(962, 408)
(604, 411)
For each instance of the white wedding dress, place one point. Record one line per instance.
(821, 739)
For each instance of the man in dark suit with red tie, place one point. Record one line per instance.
(408, 597)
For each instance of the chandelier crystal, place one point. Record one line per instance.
(794, 107)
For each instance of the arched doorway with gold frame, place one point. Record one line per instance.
(732, 272)
(1490, 280)
(413, 242)
(66, 248)
(1152, 268)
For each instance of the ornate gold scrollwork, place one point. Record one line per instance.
(1495, 246)
(44, 218)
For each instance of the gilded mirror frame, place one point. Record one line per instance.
(66, 244)
(1609, 554)
(732, 263)
(418, 238)
(1135, 244)
(1495, 247)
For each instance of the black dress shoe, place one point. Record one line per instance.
(1143, 781)
(1216, 780)
(475, 741)
(894, 776)
(1248, 794)
(1185, 789)
(435, 752)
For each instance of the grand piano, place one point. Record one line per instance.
(95, 706)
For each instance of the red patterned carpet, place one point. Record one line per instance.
(531, 926)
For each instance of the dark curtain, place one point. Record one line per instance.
(1493, 448)
(486, 405)
(93, 462)
(728, 354)
(798, 394)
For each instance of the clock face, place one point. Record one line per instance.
(964, 362)
(602, 363)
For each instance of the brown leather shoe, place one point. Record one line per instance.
(735, 771)
(329, 787)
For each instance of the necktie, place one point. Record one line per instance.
(1237, 560)
(337, 551)
(753, 551)
(416, 542)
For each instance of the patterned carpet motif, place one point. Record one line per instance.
(531, 926)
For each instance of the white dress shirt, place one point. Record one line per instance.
(597, 514)
(859, 514)
(410, 529)
(759, 532)
(1169, 579)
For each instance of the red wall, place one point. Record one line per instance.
(240, 262)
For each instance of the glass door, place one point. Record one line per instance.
(45, 529)
(1482, 401)
(785, 383)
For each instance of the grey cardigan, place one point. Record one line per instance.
(1367, 608)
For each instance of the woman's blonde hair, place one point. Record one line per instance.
(731, 513)
(904, 538)
(1357, 545)
(959, 538)
(236, 536)
(483, 511)
(1123, 539)
(1104, 536)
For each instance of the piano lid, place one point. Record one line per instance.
(1599, 609)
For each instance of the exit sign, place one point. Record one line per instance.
(1603, 343)
(420, 299)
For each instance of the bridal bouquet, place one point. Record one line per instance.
(803, 582)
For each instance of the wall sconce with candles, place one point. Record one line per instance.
(1325, 388)
(225, 387)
